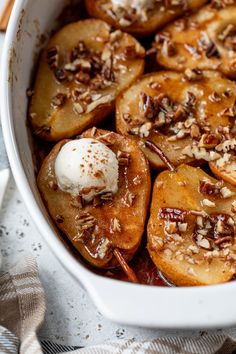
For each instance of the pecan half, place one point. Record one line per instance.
(172, 214)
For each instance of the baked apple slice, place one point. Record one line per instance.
(84, 67)
(97, 191)
(191, 230)
(185, 114)
(140, 17)
(225, 166)
(205, 40)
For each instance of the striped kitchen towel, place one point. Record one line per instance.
(22, 310)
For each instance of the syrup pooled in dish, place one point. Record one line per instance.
(81, 72)
(140, 17)
(186, 115)
(104, 214)
(191, 230)
(205, 40)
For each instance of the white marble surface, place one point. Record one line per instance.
(71, 317)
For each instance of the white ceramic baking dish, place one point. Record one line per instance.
(149, 306)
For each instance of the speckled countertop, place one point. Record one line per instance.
(71, 317)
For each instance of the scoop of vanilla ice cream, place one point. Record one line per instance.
(135, 4)
(86, 167)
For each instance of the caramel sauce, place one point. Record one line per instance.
(145, 270)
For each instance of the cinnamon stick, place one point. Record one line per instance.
(128, 271)
(153, 147)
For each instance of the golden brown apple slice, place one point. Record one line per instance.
(225, 166)
(140, 19)
(186, 115)
(83, 69)
(191, 230)
(205, 40)
(110, 228)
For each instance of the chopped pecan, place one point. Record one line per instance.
(212, 51)
(155, 85)
(53, 57)
(106, 99)
(222, 240)
(227, 93)
(172, 214)
(231, 111)
(130, 52)
(127, 118)
(97, 200)
(192, 50)
(79, 64)
(204, 243)
(227, 36)
(209, 141)
(193, 74)
(98, 83)
(233, 207)
(148, 106)
(85, 221)
(214, 97)
(160, 120)
(78, 202)
(78, 51)
(96, 62)
(79, 107)
(43, 129)
(227, 31)
(208, 46)
(115, 225)
(108, 73)
(227, 145)
(226, 192)
(161, 37)
(123, 158)
(178, 113)
(129, 198)
(208, 188)
(59, 219)
(142, 130)
(82, 77)
(76, 93)
(103, 248)
(194, 131)
(171, 227)
(108, 196)
(191, 100)
(151, 52)
(168, 48)
(59, 100)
